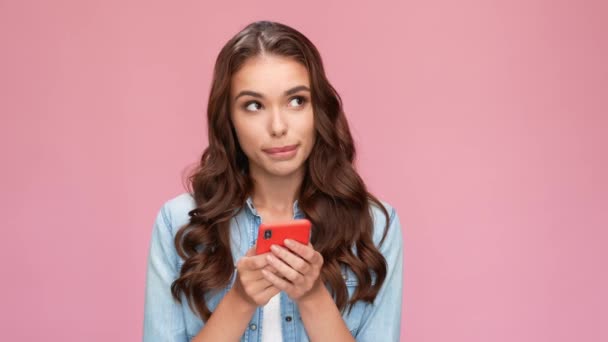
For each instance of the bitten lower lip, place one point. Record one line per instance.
(284, 149)
(282, 153)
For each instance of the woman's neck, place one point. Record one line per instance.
(276, 194)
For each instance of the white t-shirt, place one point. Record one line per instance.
(271, 330)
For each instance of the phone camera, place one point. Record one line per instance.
(267, 234)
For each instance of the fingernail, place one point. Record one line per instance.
(269, 257)
(288, 242)
(274, 248)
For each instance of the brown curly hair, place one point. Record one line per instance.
(332, 195)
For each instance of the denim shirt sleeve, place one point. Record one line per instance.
(383, 318)
(163, 317)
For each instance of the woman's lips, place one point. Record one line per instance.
(282, 153)
(281, 149)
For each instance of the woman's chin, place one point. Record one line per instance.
(285, 170)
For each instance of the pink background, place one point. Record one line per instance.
(483, 122)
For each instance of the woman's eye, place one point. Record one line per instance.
(250, 106)
(301, 99)
(254, 106)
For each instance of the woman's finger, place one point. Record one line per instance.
(306, 252)
(258, 286)
(281, 284)
(270, 268)
(283, 269)
(291, 259)
(252, 263)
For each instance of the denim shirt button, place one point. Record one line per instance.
(288, 318)
(253, 326)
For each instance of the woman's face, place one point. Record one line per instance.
(270, 107)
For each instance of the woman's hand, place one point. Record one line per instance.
(298, 268)
(250, 284)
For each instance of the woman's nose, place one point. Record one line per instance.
(278, 125)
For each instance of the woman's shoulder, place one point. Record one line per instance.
(380, 221)
(176, 209)
(184, 200)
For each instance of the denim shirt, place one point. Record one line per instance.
(166, 320)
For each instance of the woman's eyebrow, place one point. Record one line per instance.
(258, 95)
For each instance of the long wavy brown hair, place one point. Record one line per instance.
(332, 194)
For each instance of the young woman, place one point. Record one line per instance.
(279, 149)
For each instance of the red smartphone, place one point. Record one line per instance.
(276, 233)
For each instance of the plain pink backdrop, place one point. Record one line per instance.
(483, 122)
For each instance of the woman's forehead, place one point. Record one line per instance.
(269, 75)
